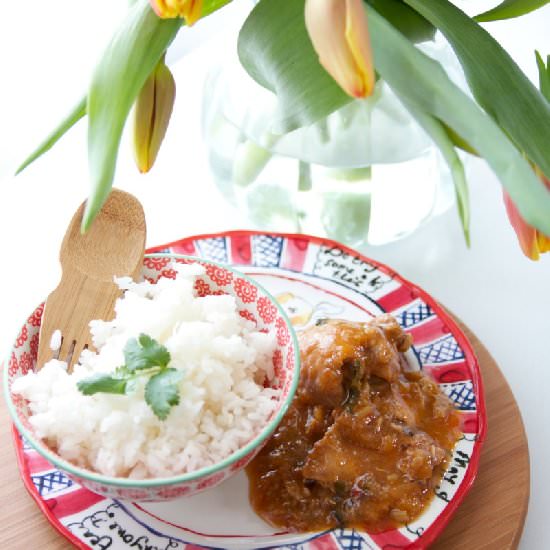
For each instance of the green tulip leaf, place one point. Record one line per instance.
(306, 93)
(130, 58)
(210, 6)
(78, 111)
(440, 135)
(459, 141)
(496, 81)
(544, 75)
(509, 9)
(276, 51)
(406, 20)
(424, 84)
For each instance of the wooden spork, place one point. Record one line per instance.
(112, 247)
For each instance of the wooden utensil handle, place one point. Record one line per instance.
(73, 303)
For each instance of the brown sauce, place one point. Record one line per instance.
(365, 440)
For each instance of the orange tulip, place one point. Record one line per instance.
(533, 243)
(339, 33)
(190, 10)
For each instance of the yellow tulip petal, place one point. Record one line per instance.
(152, 113)
(327, 22)
(143, 116)
(163, 9)
(165, 94)
(190, 10)
(543, 243)
(357, 34)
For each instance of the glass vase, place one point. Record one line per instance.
(367, 173)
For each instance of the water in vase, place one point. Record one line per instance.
(367, 173)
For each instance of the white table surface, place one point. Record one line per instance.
(47, 50)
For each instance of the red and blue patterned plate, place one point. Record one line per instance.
(312, 278)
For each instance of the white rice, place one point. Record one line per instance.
(223, 403)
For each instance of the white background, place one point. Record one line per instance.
(47, 51)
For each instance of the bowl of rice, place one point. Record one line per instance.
(187, 381)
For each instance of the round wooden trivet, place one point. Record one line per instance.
(491, 516)
(493, 512)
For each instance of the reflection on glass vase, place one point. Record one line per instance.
(365, 174)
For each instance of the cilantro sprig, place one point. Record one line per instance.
(143, 356)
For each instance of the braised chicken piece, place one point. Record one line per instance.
(365, 440)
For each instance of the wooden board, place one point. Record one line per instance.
(491, 516)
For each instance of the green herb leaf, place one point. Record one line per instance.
(145, 353)
(287, 66)
(122, 372)
(162, 392)
(509, 9)
(423, 83)
(141, 354)
(78, 111)
(103, 383)
(128, 61)
(498, 84)
(544, 75)
(407, 21)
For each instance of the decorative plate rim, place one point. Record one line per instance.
(442, 520)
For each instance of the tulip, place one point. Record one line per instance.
(152, 113)
(190, 10)
(531, 240)
(339, 33)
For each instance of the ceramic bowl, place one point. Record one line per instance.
(254, 303)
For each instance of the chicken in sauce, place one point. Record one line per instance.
(365, 440)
